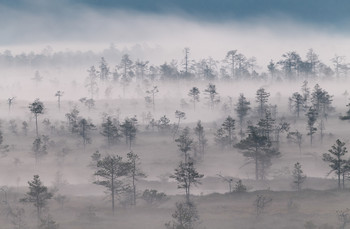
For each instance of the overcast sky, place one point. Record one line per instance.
(208, 27)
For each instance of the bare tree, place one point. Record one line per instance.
(261, 202)
(10, 102)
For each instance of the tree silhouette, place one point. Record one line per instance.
(37, 108)
(38, 195)
(129, 130)
(242, 109)
(184, 142)
(261, 98)
(194, 94)
(298, 176)
(335, 158)
(59, 94)
(186, 175)
(110, 169)
(311, 120)
(133, 163)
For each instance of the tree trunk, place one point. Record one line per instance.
(36, 125)
(134, 189)
(112, 182)
(256, 168)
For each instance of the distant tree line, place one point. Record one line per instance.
(233, 66)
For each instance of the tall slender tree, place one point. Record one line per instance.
(229, 127)
(201, 140)
(311, 120)
(242, 109)
(91, 82)
(297, 103)
(179, 115)
(212, 95)
(134, 172)
(194, 94)
(185, 142)
(262, 98)
(110, 169)
(152, 93)
(59, 94)
(37, 108)
(84, 128)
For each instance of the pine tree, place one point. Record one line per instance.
(311, 120)
(297, 103)
(111, 131)
(335, 158)
(242, 109)
(194, 94)
(129, 130)
(110, 169)
(212, 95)
(201, 141)
(38, 195)
(229, 127)
(133, 163)
(185, 142)
(37, 108)
(262, 98)
(186, 175)
(298, 176)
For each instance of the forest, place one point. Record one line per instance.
(99, 139)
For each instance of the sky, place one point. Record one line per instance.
(208, 27)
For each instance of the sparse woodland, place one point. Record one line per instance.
(97, 140)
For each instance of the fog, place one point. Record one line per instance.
(131, 117)
(163, 36)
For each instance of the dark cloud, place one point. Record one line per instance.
(322, 12)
